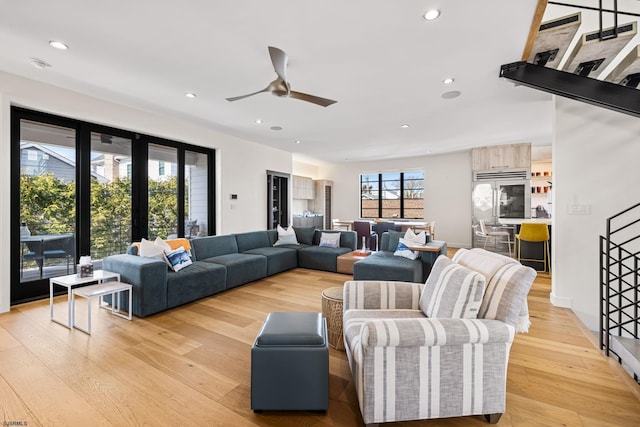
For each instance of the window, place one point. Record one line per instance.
(392, 195)
(161, 168)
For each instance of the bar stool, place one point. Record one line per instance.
(495, 235)
(535, 233)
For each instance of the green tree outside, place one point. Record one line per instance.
(47, 206)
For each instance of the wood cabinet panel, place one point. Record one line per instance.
(501, 157)
(303, 188)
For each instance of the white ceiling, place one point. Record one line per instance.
(379, 59)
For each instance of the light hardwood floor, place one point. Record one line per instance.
(191, 366)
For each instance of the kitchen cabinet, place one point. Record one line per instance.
(513, 156)
(316, 221)
(277, 199)
(303, 188)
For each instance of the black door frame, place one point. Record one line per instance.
(139, 190)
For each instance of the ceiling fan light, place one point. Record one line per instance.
(58, 45)
(39, 63)
(432, 14)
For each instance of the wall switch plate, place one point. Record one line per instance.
(578, 209)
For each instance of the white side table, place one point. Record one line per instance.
(70, 281)
(114, 289)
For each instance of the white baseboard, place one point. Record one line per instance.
(561, 301)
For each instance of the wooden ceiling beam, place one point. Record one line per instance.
(535, 27)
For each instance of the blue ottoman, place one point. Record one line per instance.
(290, 363)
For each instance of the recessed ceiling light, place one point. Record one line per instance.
(190, 95)
(452, 94)
(432, 14)
(297, 141)
(448, 80)
(258, 121)
(404, 126)
(39, 63)
(58, 45)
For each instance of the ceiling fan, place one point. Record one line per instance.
(280, 86)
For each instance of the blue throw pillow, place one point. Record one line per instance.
(177, 259)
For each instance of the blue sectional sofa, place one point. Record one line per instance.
(220, 263)
(384, 265)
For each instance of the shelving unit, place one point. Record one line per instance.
(541, 184)
(277, 199)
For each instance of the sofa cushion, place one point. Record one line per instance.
(506, 295)
(213, 246)
(304, 235)
(200, 280)
(241, 268)
(389, 240)
(278, 258)
(252, 240)
(319, 258)
(452, 291)
(383, 265)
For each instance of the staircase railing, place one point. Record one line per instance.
(620, 281)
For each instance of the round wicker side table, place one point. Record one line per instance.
(332, 310)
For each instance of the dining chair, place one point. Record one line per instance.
(62, 248)
(363, 228)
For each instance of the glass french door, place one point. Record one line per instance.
(111, 170)
(162, 192)
(46, 207)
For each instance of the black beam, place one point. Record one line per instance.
(596, 92)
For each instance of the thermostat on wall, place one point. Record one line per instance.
(234, 197)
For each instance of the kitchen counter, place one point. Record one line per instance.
(519, 221)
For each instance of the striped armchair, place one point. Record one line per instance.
(438, 349)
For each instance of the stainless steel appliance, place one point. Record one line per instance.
(501, 195)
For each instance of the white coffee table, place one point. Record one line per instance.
(99, 290)
(70, 281)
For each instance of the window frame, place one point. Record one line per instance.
(377, 191)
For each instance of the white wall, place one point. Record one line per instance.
(596, 159)
(447, 191)
(241, 165)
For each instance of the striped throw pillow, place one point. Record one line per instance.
(452, 291)
(506, 294)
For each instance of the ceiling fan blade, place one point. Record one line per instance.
(279, 60)
(324, 102)
(235, 98)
